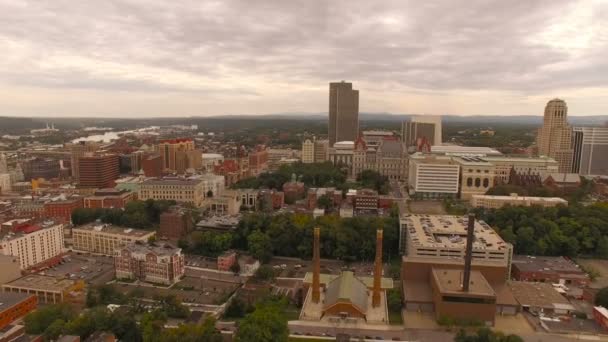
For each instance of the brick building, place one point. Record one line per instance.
(61, 210)
(152, 165)
(175, 223)
(14, 306)
(161, 265)
(557, 270)
(98, 171)
(109, 198)
(226, 260)
(314, 194)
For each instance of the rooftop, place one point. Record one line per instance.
(539, 295)
(526, 263)
(387, 283)
(111, 229)
(449, 281)
(464, 150)
(450, 232)
(172, 181)
(165, 250)
(9, 299)
(515, 197)
(346, 287)
(40, 282)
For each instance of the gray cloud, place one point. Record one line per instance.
(248, 47)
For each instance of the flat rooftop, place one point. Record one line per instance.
(464, 150)
(526, 263)
(9, 299)
(172, 181)
(540, 295)
(522, 198)
(111, 229)
(40, 282)
(449, 281)
(433, 231)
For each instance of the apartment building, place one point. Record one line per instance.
(181, 190)
(105, 238)
(33, 243)
(158, 265)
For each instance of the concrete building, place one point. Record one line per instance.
(555, 136)
(49, 290)
(308, 151)
(33, 244)
(464, 151)
(504, 165)
(433, 176)
(343, 112)
(249, 198)
(105, 238)
(98, 171)
(373, 138)
(321, 151)
(495, 202)
(590, 148)
(175, 223)
(34, 168)
(158, 265)
(14, 306)
(228, 203)
(11, 268)
(341, 154)
(212, 184)
(422, 128)
(553, 270)
(476, 176)
(182, 190)
(210, 160)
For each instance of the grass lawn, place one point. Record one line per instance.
(395, 318)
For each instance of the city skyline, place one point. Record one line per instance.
(221, 58)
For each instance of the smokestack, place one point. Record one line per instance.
(316, 267)
(468, 253)
(377, 270)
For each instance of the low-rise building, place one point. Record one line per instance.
(600, 315)
(272, 199)
(109, 198)
(540, 297)
(494, 202)
(33, 243)
(226, 260)
(49, 290)
(228, 203)
(365, 201)
(556, 270)
(182, 190)
(159, 265)
(62, 208)
(14, 306)
(315, 193)
(249, 198)
(433, 176)
(562, 181)
(11, 268)
(104, 239)
(220, 224)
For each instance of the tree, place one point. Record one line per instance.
(37, 322)
(260, 246)
(601, 298)
(486, 335)
(265, 273)
(325, 202)
(266, 324)
(393, 298)
(235, 267)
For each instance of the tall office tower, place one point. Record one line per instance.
(173, 152)
(422, 128)
(98, 171)
(555, 136)
(343, 112)
(78, 150)
(321, 150)
(308, 151)
(590, 145)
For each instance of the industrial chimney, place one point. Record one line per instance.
(377, 270)
(468, 256)
(316, 267)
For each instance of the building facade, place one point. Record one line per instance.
(555, 136)
(105, 238)
(495, 202)
(158, 265)
(61, 210)
(34, 244)
(98, 171)
(14, 306)
(308, 151)
(420, 129)
(173, 153)
(175, 223)
(433, 176)
(590, 148)
(343, 112)
(36, 167)
(178, 189)
(109, 198)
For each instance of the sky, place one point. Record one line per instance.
(126, 58)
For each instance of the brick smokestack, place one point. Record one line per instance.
(468, 256)
(377, 270)
(316, 267)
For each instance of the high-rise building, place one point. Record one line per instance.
(555, 136)
(420, 129)
(36, 167)
(98, 171)
(590, 145)
(343, 112)
(33, 244)
(321, 151)
(308, 151)
(78, 150)
(174, 153)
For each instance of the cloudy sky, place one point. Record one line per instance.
(163, 58)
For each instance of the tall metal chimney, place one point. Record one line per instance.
(316, 267)
(468, 256)
(377, 270)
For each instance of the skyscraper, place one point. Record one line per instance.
(590, 145)
(343, 112)
(422, 128)
(308, 151)
(555, 136)
(78, 150)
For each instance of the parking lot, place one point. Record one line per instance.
(200, 261)
(426, 207)
(93, 269)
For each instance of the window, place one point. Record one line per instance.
(477, 182)
(469, 181)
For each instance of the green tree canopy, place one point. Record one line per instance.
(265, 324)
